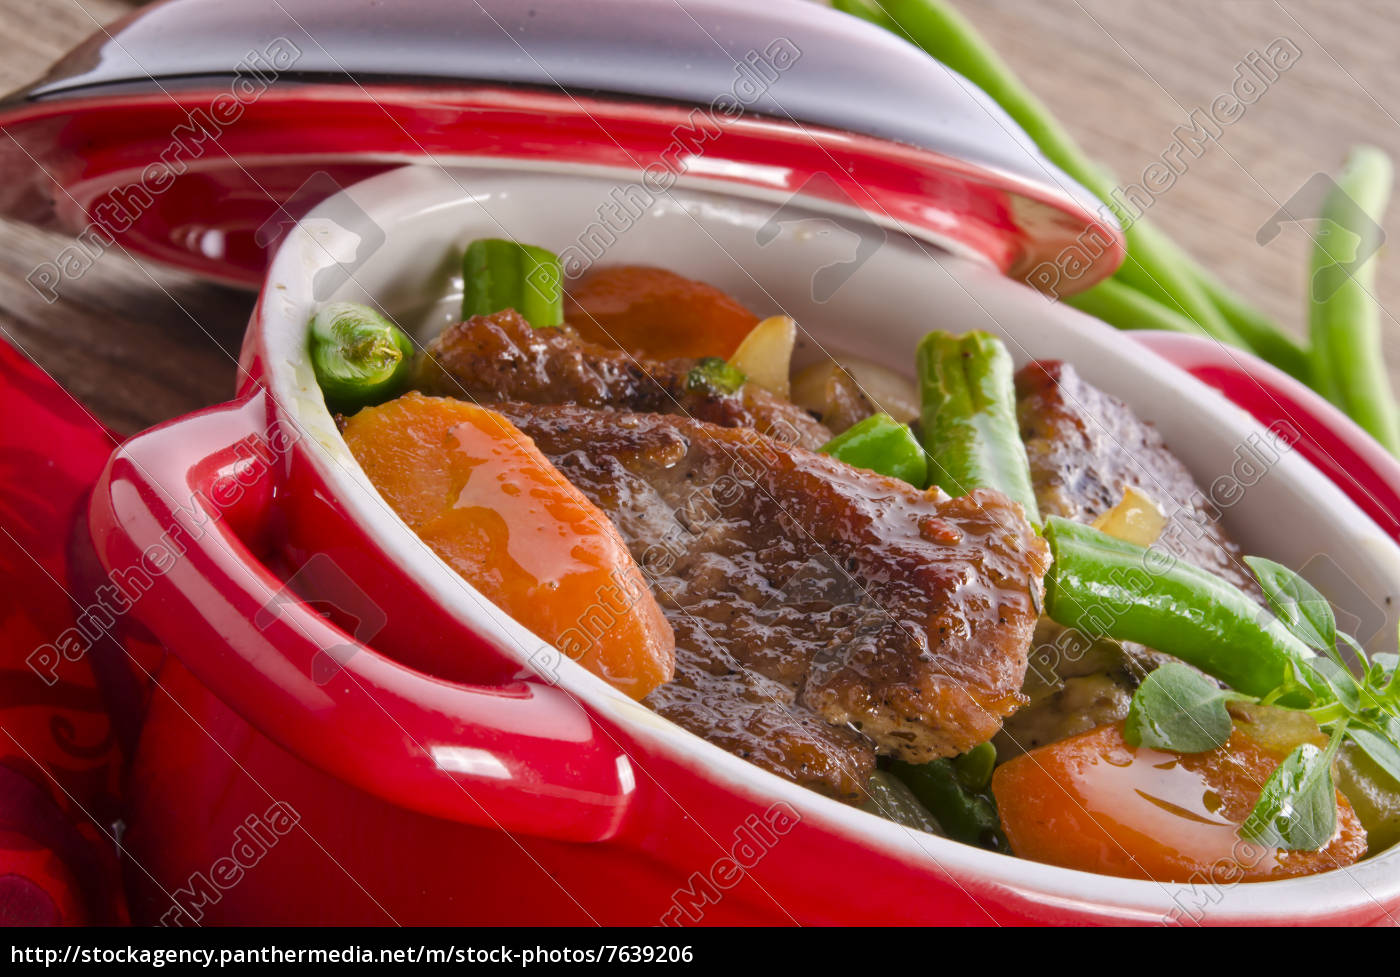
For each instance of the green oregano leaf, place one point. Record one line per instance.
(1177, 708)
(1297, 810)
(1362, 659)
(1304, 611)
(1343, 684)
(1383, 675)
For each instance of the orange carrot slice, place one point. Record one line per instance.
(1093, 802)
(482, 496)
(656, 313)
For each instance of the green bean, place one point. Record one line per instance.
(866, 10)
(1124, 307)
(1153, 266)
(968, 417)
(974, 768)
(948, 36)
(1344, 317)
(1107, 587)
(1190, 298)
(891, 798)
(964, 815)
(498, 274)
(881, 444)
(1268, 341)
(358, 356)
(1259, 332)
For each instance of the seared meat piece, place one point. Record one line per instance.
(1086, 447)
(814, 605)
(757, 718)
(501, 357)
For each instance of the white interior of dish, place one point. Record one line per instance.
(427, 214)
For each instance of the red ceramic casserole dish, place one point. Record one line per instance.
(376, 743)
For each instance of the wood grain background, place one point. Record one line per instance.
(1122, 74)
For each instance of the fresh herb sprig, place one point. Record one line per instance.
(1179, 709)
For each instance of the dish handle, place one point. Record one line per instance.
(173, 514)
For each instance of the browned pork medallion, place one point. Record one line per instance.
(800, 587)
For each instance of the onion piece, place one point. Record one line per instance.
(1135, 519)
(845, 391)
(765, 355)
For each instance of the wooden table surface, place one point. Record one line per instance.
(1122, 74)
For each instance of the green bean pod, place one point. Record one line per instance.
(359, 357)
(890, 798)
(974, 768)
(1344, 316)
(944, 33)
(881, 444)
(1259, 332)
(1124, 307)
(1154, 266)
(968, 417)
(1107, 587)
(498, 274)
(964, 815)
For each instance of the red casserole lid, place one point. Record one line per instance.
(195, 131)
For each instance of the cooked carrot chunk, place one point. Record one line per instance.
(1094, 803)
(482, 496)
(656, 313)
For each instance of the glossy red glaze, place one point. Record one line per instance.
(97, 150)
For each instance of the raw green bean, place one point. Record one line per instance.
(1124, 307)
(948, 36)
(1344, 316)
(358, 356)
(1259, 332)
(1271, 343)
(866, 10)
(881, 444)
(1190, 299)
(1156, 267)
(1107, 587)
(968, 417)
